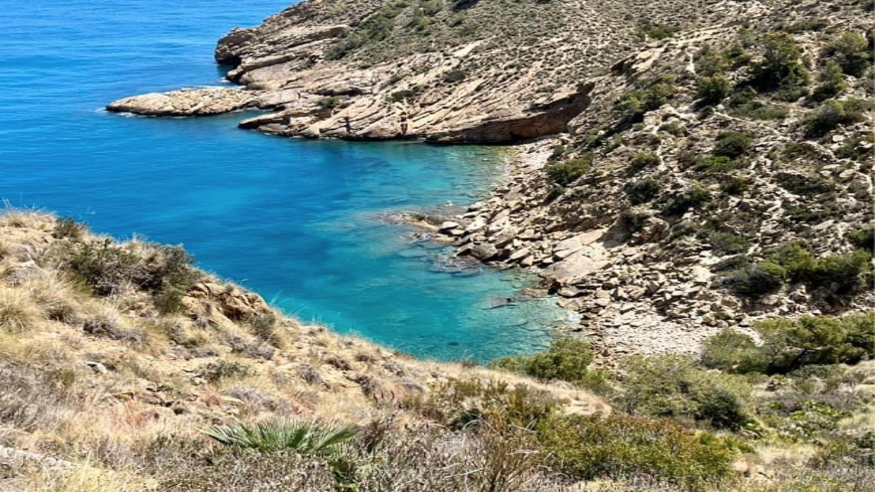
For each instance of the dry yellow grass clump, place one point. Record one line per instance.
(109, 349)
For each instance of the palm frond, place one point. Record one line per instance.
(305, 437)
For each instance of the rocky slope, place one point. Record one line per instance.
(667, 212)
(486, 71)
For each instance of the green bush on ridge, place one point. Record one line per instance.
(792, 344)
(617, 447)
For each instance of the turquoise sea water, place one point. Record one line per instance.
(297, 221)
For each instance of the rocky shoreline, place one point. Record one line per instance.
(596, 277)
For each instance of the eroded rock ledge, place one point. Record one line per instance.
(491, 72)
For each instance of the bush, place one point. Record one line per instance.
(832, 82)
(645, 160)
(273, 435)
(727, 243)
(833, 113)
(852, 52)
(692, 197)
(732, 144)
(805, 185)
(642, 191)
(657, 31)
(714, 89)
(566, 172)
(789, 345)
(781, 69)
(863, 238)
(67, 228)
(616, 447)
(163, 271)
(755, 280)
(731, 351)
(836, 276)
(567, 359)
(841, 275)
(672, 386)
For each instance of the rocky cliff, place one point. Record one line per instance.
(487, 71)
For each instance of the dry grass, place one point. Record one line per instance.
(19, 313)
(82, 479)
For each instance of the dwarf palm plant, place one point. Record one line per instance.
(304, 437)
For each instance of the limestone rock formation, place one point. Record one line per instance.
(491, 71)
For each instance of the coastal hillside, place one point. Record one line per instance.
(485, 71)
(126, 368)
(721, 176)
(117, 355)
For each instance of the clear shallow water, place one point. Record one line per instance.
(295, 220)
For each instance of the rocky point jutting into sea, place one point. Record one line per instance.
(670, 175)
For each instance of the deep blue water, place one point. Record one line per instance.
(297, 221)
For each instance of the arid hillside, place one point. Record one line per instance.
(446, 70)
(721, 176)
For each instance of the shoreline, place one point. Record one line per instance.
(573, 265)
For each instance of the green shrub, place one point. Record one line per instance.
(277, 434)
(836, 276)
(782, 69)
(672, 386)
(863, 238)
(67, 228)
(757, 110)
(616, 447)
(797, 260)
(642, 191)
(731, 351)
(566, 172)
(655, 95)
(717, 164)
(841, 275)
(833, 113)
(644, 160)
(163, 271)
(732, 144)
(657, 31)
(403, 95)
(692, 197)
(789, 345)
(804, 185)
(711, 90)
(567, 359)
(852, 52)
(734, 185)
(832, 82)
(755, 280)
(727, 242)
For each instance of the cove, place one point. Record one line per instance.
(297, 221)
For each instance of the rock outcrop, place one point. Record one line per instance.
(478, 72)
